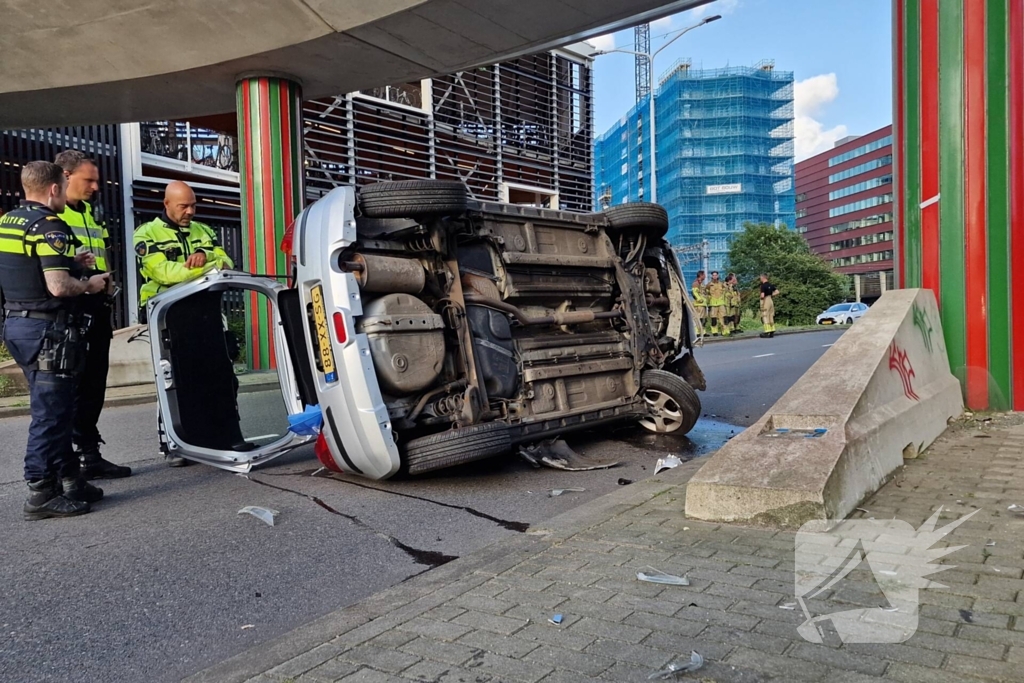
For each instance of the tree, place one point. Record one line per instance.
(807, 283)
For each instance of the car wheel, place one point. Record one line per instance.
(673, 405)
(457, 446)
(643, 217)
(411, 198)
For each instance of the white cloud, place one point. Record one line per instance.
(811, 97)
(605, 42)
(722, 7)
(663, 24)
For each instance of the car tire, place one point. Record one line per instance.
(642, 217)
(413, 198)
(457, 446)
(674, 404)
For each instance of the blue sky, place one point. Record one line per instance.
(840, 51)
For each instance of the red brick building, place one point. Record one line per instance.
(844, 207)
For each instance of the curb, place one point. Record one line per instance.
(124, 401)
(778, 333)
(399, 602)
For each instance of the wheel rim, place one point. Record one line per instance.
(665, 415)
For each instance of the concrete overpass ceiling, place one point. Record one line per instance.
(76, 62)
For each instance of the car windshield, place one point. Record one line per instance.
(838, 308)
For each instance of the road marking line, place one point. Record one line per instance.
(764, 355)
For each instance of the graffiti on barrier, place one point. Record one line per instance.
(900, 362)
(924, 325)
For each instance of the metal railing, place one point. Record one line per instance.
(198, 146)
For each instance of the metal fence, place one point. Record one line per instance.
(18, 147)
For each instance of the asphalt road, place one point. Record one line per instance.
(164, 578)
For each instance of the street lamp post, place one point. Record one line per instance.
(649, 56)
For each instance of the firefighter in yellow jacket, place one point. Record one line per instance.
(718, 309)
(174, 248)
(700, 297)
(733, 300)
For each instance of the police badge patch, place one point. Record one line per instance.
(58, 241)
(141, 249)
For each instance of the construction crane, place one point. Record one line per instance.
(642, 35)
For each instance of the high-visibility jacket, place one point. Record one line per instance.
(699, 294)
(162, 249)
(87, 232)
(732, 297)
(716, 292)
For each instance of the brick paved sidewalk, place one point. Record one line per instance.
(485, 617)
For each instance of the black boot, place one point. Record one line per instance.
(77, 488)
(763, 335)
(771, 335)
(95, 467)
(45, 500)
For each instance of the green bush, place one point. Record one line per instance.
(807, 283)
(4, 353)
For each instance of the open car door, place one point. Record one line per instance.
(197, 389)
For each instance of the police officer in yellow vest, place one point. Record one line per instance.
(88, 235)
(43, 282)
(174, 248)
(717, 304)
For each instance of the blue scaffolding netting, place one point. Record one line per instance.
(724, 152)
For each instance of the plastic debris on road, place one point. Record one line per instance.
(248, 626)
(667, 463)
(672, 670)
(658, 576)
(263, 514)
(557, 492)
(556, 620)
(306, 423)
(1016, 508)
(788, 605)
(556, 454)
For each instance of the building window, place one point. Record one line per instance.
(863, 168)
(862, 241)
(861, 151)
(801, 197)
(800, 213)
(859, 187)
(873, 257)
(861, 205)
(865, 222)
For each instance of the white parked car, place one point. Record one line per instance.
(842, 314)
(432, 330)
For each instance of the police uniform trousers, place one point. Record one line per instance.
(52, 402)
(92, 384)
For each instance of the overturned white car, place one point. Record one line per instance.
(433, 330)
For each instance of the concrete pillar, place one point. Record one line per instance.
(856, 288)
(959, 112)
(271, 173)
(882, 284)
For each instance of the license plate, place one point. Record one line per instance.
(826, 322)
(323, 335)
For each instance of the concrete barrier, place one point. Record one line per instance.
(883, 392)
(131, 362)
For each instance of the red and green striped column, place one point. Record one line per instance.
(270, 170)
(959, 110)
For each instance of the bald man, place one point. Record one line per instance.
(174, 248)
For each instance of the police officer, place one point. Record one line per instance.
(717, 303)
(768, 291)
(173, 249)
(700, 298)
(42, 282)
(89, 236)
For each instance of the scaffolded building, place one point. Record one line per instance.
(724, 153)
